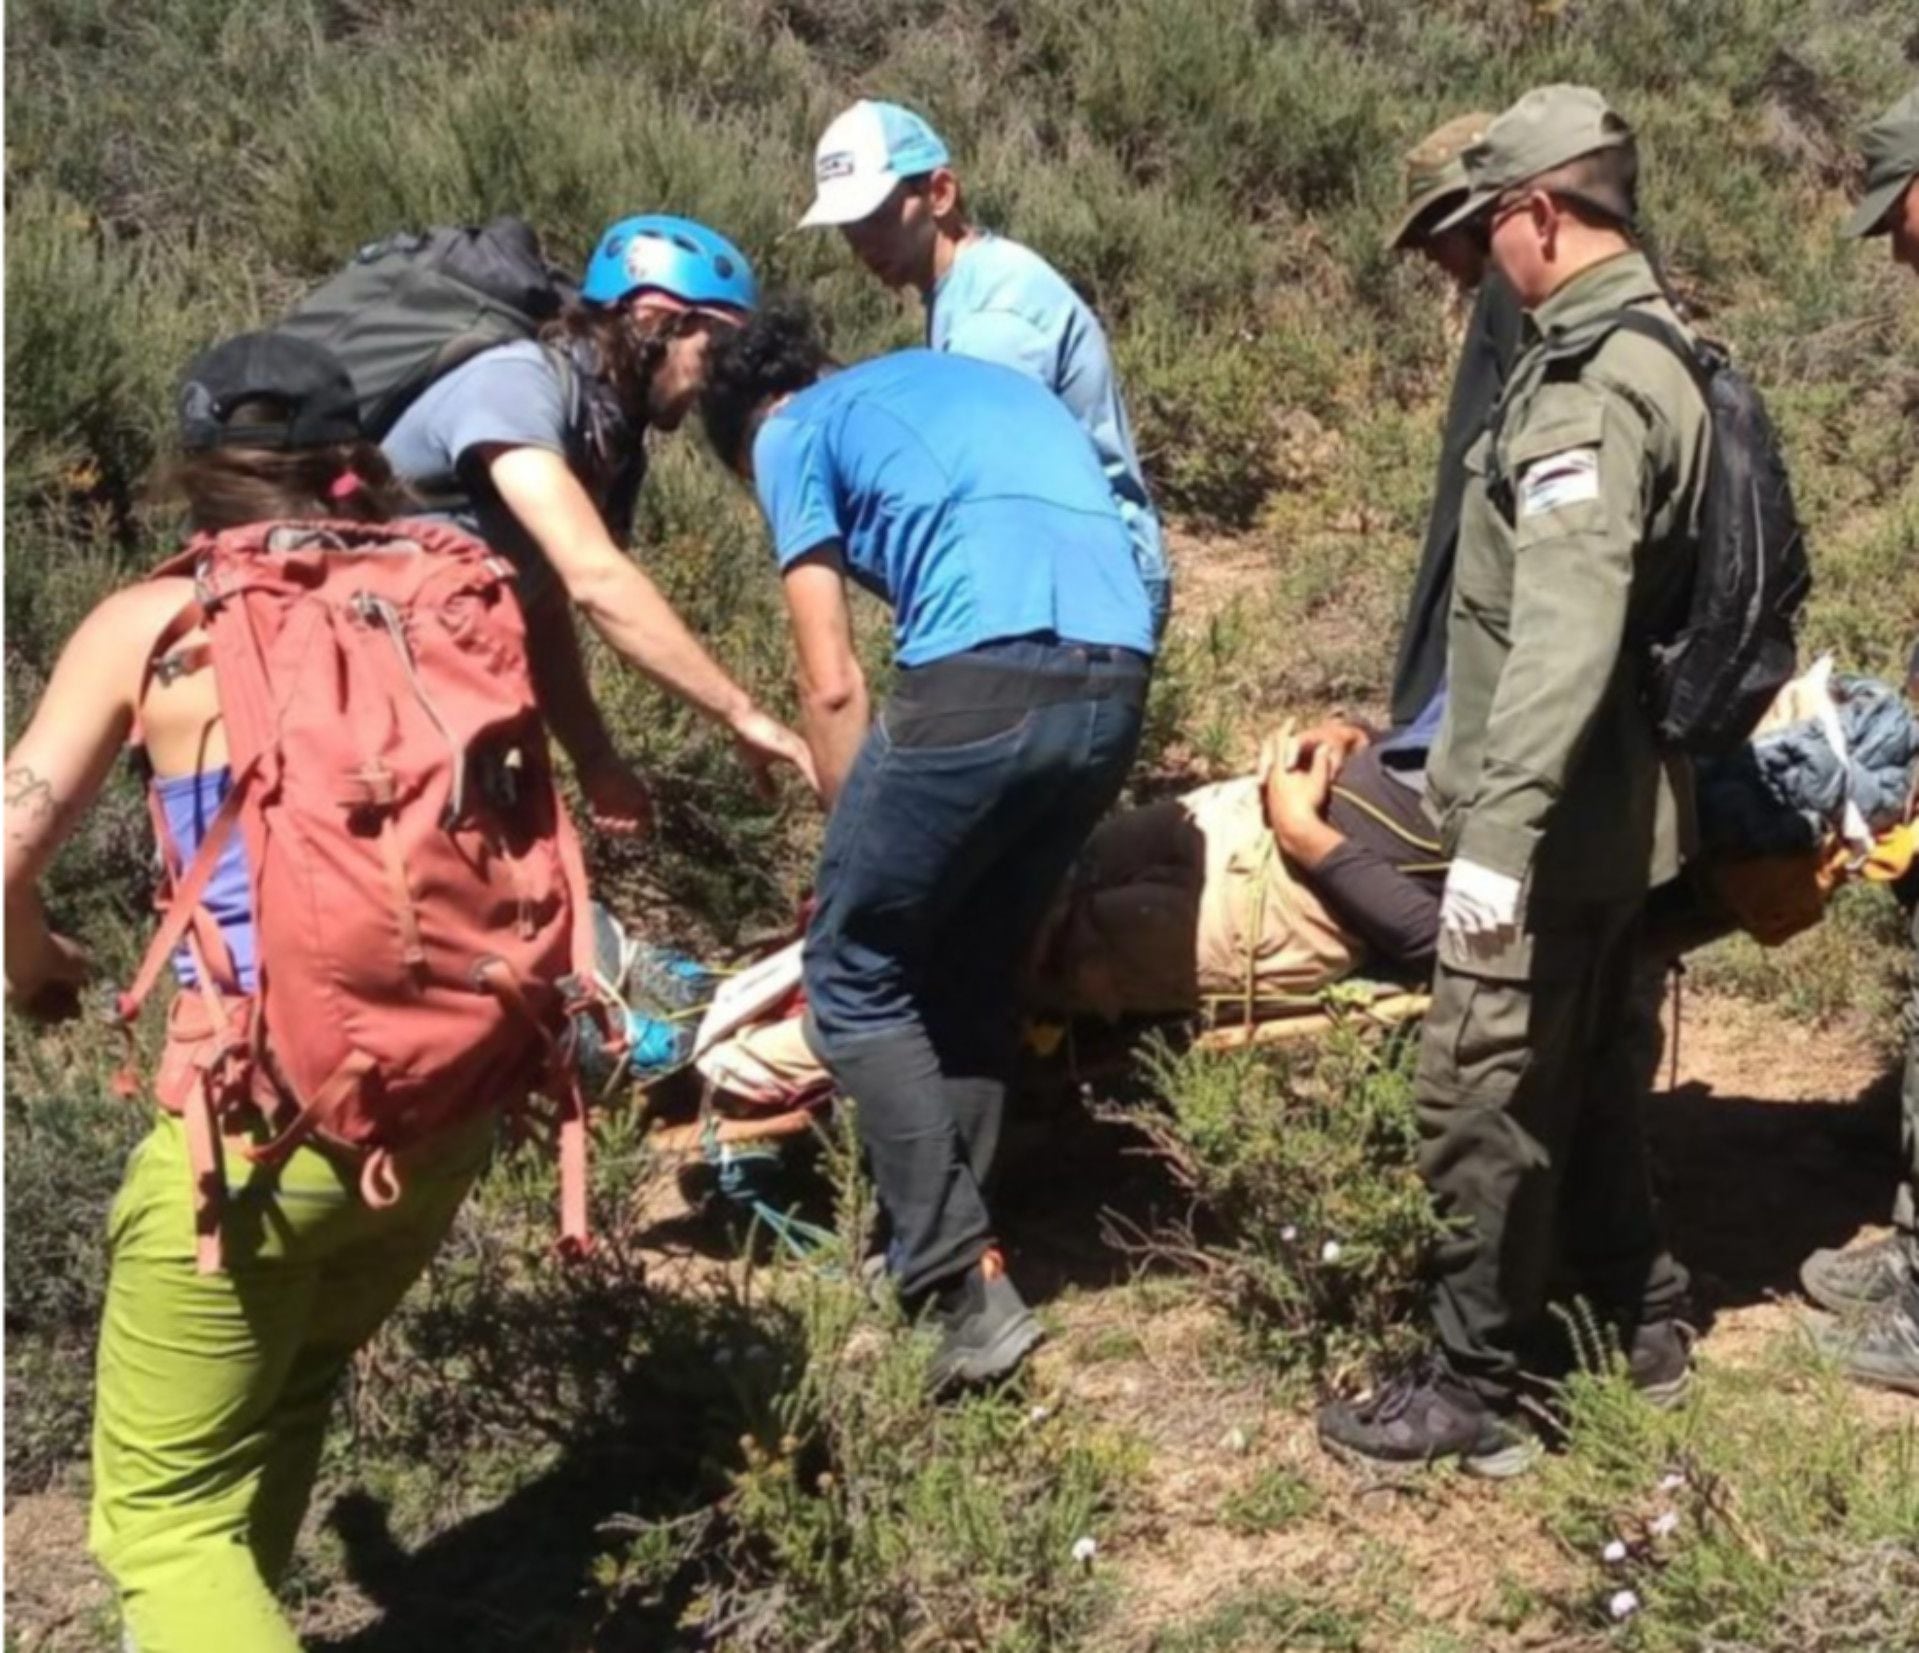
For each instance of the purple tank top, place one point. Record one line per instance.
(190, 803)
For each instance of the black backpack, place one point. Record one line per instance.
(414, 306)
(1712, 671)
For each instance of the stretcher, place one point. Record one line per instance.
(745, 1102)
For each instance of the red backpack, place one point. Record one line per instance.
(418, 894)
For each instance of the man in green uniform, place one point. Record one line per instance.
(1578, 537)
(1436, 187)
(1877, 1285)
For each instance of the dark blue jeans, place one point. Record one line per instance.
(973, 792)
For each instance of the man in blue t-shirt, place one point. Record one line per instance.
(965, 498)
(883, 177)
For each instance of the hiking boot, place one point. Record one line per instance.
(668, 982)
(1421, 1417)
(1659, 1362)
(1859, 1277)
(1882, 1347)
(987, 1328)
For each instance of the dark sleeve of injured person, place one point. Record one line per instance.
(1189, 903)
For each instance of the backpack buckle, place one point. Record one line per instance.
(377, 789)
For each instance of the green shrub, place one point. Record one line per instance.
(1265, 1619)
(1768, 1514)
(856, 1513)
(67, 1140)
(1315, 1223)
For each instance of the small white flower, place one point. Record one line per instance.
(1614, 1552)
(1672, 1482)
(1084, 1549)
(1236, 1440)
(1664, 1524)
(1039, 1414)
(1624, 1604)
(1329, 1252)
(1289, 1233)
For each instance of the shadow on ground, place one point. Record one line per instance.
(1751, 1186)
(645, 1395)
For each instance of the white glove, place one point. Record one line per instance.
(1480, 907)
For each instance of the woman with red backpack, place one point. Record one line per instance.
(370, 880)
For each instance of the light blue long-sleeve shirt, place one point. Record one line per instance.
(1001, 302)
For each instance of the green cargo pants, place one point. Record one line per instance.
(212, 1391)
(1905, 1209)
(1530, 1091)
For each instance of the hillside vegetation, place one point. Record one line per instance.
(695, 1453)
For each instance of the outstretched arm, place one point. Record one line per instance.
(626, 607)
(616, 797)
(53, 775)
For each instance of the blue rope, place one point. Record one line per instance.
(735, 1167)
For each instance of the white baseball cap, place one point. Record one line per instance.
(863, 155)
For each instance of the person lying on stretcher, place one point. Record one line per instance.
(1247, 896)
(1269, 886)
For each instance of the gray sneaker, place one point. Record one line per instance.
(988, 1329)
(1880, 1347)
(1859, 1277)
(1425, 1417)
(1659, 1362)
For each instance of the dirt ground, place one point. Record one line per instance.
(1776, 1139)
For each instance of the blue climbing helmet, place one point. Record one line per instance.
(658, 252)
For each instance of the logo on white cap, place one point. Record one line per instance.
(861, 157)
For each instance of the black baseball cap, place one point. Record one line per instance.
(304, 384)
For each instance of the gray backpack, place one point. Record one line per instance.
(414, 306)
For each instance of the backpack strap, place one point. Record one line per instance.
(1579, 346)
(187, 895)
(1646, 325)
(563, 1078)
(562, 1062)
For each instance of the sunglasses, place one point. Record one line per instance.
(1503, 207)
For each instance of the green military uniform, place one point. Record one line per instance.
(1875, 1288)
(1435, 181)
(1891, 151)
(1578, 536)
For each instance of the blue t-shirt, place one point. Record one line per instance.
(963, 495)
(1001, 302)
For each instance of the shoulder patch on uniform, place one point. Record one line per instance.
(1567, 478)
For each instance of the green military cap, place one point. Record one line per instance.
(1891, 146)
(1435, 169)
(1548, 127)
